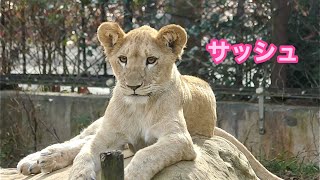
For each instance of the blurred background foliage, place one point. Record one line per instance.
(59, 38)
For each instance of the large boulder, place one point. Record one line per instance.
(217, 159)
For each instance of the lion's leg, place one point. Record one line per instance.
(87, 162)
(51, 158)
(166, 151)
(28, 165)
(56, 156)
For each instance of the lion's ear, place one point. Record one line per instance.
(174, 37)
(109, 34)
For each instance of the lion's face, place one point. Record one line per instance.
(142, 60)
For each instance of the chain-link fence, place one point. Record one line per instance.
(54, 42)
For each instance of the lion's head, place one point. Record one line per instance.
(142, 59)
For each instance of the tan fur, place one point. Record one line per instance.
(157, 121)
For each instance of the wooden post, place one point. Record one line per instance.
(112, 167)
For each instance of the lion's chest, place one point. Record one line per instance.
(140, 143)
(140, 132)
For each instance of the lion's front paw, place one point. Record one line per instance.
(50, 160)
(29, 165)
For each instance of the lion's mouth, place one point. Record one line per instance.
(136, 95)
(139, 95)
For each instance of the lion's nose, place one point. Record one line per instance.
(134, 87)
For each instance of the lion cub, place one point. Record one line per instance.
(153, 108)
(151, 103)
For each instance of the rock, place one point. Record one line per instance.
(217, 159)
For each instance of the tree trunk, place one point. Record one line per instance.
(239, 39)
(185, 14)
(127, 19)
(280, 18)
(3, 62)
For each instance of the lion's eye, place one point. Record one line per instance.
(123, 59)
(151, 60)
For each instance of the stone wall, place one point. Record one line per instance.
(31, 121)
(289, 130)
